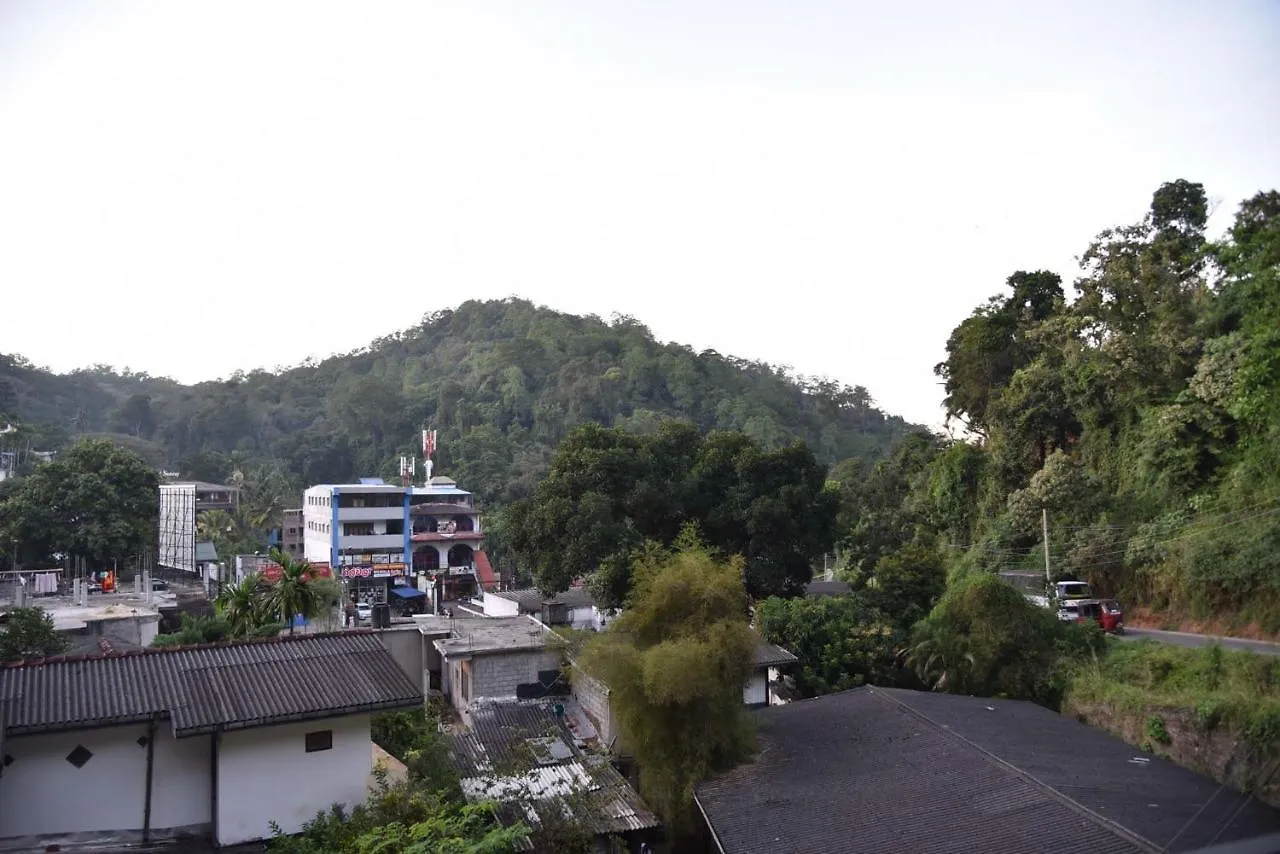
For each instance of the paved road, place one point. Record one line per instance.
(1188, 639)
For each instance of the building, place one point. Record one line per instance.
(762, 688)
(496, 658)
(827, 588)
(181, 504)
(374, 532)
(291, 534)
(575, 607)
(536, 761)
(876, 769)
(218, 740)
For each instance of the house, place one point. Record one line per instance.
(878, 769)
(217, 740)
(827, 588)
(534, 760)
(575, 607)
(760, 689)
(496, 658)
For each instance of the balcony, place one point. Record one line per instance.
(455, 537)
(442, 509)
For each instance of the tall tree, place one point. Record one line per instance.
(292, 595)
(675, 663)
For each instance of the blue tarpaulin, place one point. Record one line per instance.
(407, 592)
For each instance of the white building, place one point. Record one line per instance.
(218, 741)
(575, 607)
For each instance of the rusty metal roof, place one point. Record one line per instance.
(199, 689)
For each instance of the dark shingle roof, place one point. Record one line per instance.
(876, 769)
(827, 588)
(772, 655)
(200, 688)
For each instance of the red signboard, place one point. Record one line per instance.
(272, 571)
(377, 570)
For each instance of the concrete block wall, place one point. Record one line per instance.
(593, 697)
(496, 676)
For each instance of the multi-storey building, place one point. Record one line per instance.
(375, 530)
(181, 503)
(292, 534)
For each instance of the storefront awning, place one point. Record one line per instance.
(407, 592)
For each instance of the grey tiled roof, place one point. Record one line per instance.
(875, 769)
(213, 686)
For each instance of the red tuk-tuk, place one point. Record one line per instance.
(1105, 612)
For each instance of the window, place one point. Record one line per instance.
(358, 529)
(319, 740)
(395, 526)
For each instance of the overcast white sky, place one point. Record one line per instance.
(188, 188)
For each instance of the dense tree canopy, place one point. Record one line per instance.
(1143, 417)
(96, 501)
(609, 491)
(503, 382)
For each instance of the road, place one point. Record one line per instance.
(1188, 639)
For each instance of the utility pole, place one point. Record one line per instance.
(1044, 524)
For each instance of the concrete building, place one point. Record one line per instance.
(496, 658)
(575, 607)
(181, 504)
(292, 534)
(375, 531)
(216, 741)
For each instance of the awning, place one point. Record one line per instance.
(407, 592)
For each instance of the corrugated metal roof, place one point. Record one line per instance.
(827, 588)
(874, 770)
(524, 747)
(200, 688)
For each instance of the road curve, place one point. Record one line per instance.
(1188, 639)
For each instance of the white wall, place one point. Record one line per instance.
(42, 794)
(756, 691)
(266, 775)
(498, 606)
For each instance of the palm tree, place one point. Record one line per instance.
(242, 605)
(292, 595)
(940, 660)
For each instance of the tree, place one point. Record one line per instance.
(292, 595)
(906, 584)
(29, 633)
(610, 491)
(842, 642)
(242, 605)
(985, 638)
(135, 417)
(97, 500)
(675, 662)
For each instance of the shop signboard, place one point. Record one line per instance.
(371, 570)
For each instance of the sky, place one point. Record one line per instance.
(191, 188)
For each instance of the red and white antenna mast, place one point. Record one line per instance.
(428, 450)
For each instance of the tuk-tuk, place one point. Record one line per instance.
(1105, 612)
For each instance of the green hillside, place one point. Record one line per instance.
(501, 381)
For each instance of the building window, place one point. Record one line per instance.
(319, 740)
(395, 526)
(358, 529)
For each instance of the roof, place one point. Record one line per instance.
(212, 686)
(201, 485)
(827, 588)
(772, 655)
(878, 769)
(484, 571)
(531, 600)
(526, 748)
(494, 635)
(205, 552)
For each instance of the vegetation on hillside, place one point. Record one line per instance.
(1143, 416)
(503, 382)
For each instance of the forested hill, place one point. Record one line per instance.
(501, 381)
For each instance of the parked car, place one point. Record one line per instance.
(159, 584)
(364, 612)
(1105, 612)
